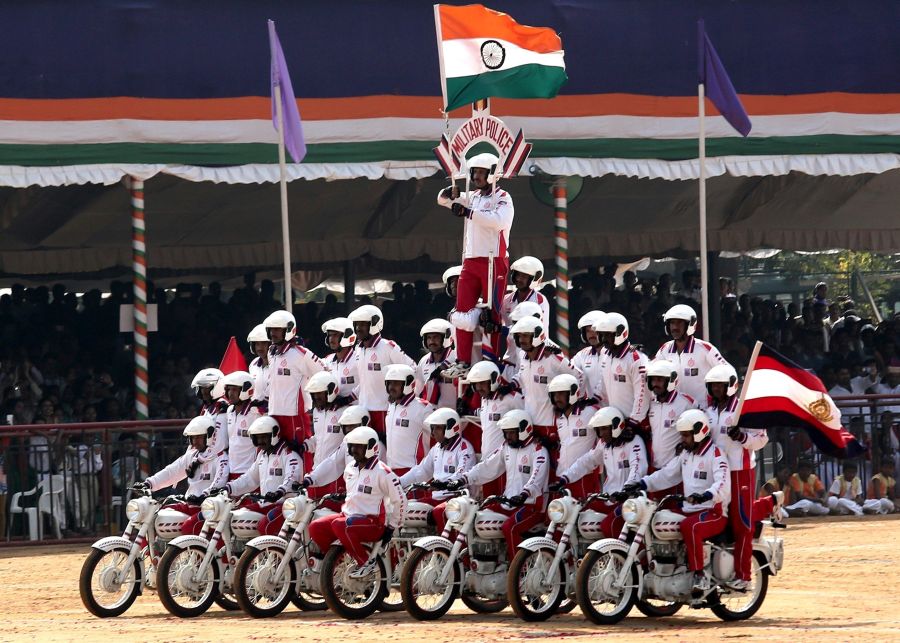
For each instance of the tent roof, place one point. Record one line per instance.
(227, 229)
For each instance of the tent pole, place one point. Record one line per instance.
(285, 230)
(560, 200)
(704, 268)
(139, 281)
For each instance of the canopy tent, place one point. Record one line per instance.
(195, 227)
(167, 89)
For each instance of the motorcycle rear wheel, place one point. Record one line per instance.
(737, 606)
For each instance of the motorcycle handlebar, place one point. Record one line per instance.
(490, 500)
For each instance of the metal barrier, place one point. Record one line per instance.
(873, 419)
(73, 480)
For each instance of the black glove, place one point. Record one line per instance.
(454, 485)
(215, 491)
(447, 193)
(505, 389)
(559, 485)
(461, 407)
(273, 496)
(192, 468)
(735, 433)
(436, 374)
(633, 487)
(517, 500)
(386, 536)
(440, 485)
(141, 486)
(305, 483)
(697, 498)
(460, 210)
(619, 496)
(195, 499)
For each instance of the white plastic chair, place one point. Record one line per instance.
(51, 503)
(31, 513)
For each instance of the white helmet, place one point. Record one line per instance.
(447, 418)
(368, 314)
(529, 325)
(693, 421)
(241, 379)
(441, 327)
(526, 309)
(206, 378)
(354, 415)
(531, 266)
(265, 425)
(485, 161)
(401, 373)
(484, 371)
(450, 273)
(663, 368)
(724, 373)
(564, 383)
(365, 436)
(200, 425)
(282, 319)
(683, 312)
(609, 416)
(343, 326)
(258, 334)
(324, 382)
(613, 323)
(587, 321)
(519, 420)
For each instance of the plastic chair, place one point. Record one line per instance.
(50, 503)
(31, 513)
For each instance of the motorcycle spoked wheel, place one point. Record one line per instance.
(175, 568)
(597, 599)
(100, 594)
(348, 597)
(256, 593)
(657, 608)
(737, 606)
(421, 570)
(526, 569)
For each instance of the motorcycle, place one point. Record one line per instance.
(354, 598)
(119, 568)
(649, 561)
(274, 570)
(472, 568)
(542, 573)
(196, 571)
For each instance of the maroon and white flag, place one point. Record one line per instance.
(778, 392)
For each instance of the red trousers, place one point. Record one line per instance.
(294, 428)
(585, 486)
(696, 528)
(193, 525)
(473, 283)
(521, 519)
(352, 532)
(495, 487)
(740, 514)
(376, 421)
(338, 486)
(272, 519)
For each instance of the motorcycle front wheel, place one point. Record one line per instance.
(737, 606)
(595, 587)
(180, 591)
(423, 597)
(108, 587)
(351, 598)
(531, 598)
(258, 592)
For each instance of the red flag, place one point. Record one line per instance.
(233, 359)
(778, 392)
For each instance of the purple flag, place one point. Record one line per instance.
(718, 85)
(293, 129)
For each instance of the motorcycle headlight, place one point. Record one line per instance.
(557, 511)
(632, 511)
(210, 509)
(134, 510)
(289, 509)
(454, 511)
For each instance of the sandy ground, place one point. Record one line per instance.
(840, 582)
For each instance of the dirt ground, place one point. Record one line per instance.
(839, 583)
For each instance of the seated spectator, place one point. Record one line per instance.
(807, 492)
(882, 490)
(845, 494)
(781, 482)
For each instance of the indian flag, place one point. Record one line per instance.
(486, 53)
